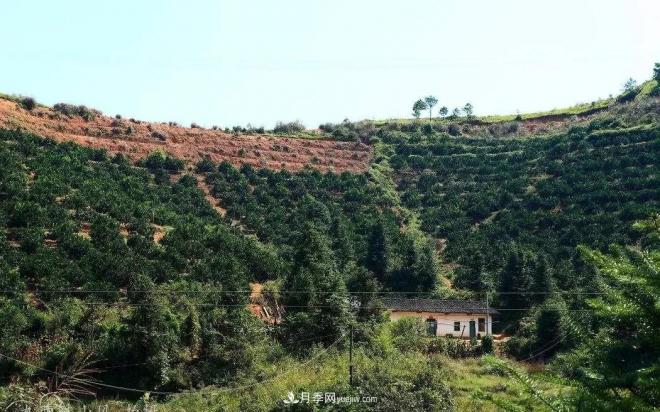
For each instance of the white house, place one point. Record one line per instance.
(457, 318)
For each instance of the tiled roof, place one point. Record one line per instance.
(436, 305)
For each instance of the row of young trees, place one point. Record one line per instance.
(103, 261)
(429, 102)
(126, 265)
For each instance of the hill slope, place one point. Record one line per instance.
(136, 139)
(127, 264)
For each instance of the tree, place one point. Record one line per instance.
(430, 102)
(474, 276)
(629, 86)
(550, 325)
(456, 112)
(378, 248)
(542, 282)
(322, 313)
(656, 77)
(418, 108)
(342, 244)
(619, 365)
(515, 282)
(153, 331)
(443, 111)
(468, 110)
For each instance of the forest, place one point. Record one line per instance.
(119, 280)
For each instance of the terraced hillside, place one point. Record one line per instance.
(122, 261)
(136, 139)
(484, 198)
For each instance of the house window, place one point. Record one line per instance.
(457, 326)
(431, 327)
(482, 324)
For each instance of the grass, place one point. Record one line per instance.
(475, 385)
(646, 88)
(577, 109)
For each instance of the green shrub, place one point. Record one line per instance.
(408, 334)
(28, 103)
(73, 110)
(487, 344)
(400, 389)
(454, 129)
(289, 128)
(163, 161)
(159, 135)
(205, 165)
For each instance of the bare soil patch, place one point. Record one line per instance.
(137, 139)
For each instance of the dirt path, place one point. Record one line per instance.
(215, 203)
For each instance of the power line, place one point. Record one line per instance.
(83, 381)
(230, 305)
(122, 388)
(547, 347)
(247, 291)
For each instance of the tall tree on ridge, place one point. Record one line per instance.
(418, 107)
(430, 102)
(468, 109)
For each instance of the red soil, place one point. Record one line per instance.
(187, 143)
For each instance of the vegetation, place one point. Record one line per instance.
(28, 103)
(73, 110)
(430, 101)
(418, 107)
(350, 215)
(121, 280)
(75, 220)
(512, 212)
(288, 128)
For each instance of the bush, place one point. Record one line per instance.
(427, 129)
(162, 161)
(73, 110)
(454, 129)
(159, 135)
(289, 128)
(28, 103)
(205, 165)
(487, 344)
(408, 334)
(419, 389)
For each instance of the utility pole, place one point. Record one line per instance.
(350, 358)
(487, 315)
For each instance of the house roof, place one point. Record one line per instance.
(437, 305)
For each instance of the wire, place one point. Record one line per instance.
(122, 388)
(546, 348)
(220, 291)
(310, 360)
(553, 343)
(85, 381)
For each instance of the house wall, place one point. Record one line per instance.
(446, 321)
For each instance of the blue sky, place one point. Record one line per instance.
(237, 62)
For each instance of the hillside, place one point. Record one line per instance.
(136, 251)
(482, 197)
(136, 139)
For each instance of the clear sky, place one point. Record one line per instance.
(259, 61)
